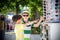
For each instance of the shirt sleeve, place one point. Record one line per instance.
(32, 25)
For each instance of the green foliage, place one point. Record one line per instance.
(13, 5)
(35, 5)
(36, 30)
(9, 5)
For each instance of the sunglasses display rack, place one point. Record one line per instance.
(51, 9)
(44, 31)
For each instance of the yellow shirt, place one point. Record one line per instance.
(19, 31)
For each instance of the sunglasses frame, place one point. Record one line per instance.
(25, 15)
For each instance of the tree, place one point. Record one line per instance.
(7, 5)
(35, 6)
(13, 5)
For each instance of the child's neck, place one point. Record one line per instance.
(19, 22)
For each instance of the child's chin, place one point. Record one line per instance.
(18, 23)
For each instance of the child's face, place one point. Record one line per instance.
(25, 16)
(19, 21)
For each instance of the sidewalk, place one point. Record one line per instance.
(11, 36)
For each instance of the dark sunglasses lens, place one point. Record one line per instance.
(25, 15)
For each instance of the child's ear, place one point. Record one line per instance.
(14, 22)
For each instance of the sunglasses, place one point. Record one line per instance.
(25, 15)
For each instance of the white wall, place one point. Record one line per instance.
(54, 33)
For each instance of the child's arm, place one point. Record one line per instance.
(37, 24)
(29, 23)
(36, 21)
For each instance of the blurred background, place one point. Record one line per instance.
(36, 8)
(8, 8)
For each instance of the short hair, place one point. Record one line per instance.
(16, 17)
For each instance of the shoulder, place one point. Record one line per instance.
(19, 25)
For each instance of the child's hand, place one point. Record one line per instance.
(46, 24)
(41, 18)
